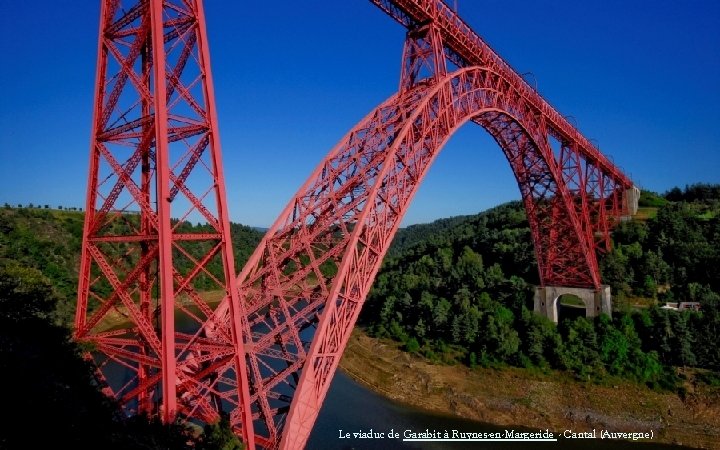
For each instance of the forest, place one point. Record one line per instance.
(49, 240)
(457, 291)
(47, 380)
(460, 290)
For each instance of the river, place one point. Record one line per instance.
(352, 408)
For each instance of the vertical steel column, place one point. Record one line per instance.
(148, 277)
(235, 307)
(164, 212)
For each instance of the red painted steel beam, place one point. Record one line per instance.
(155, 162)
(305, 284)
(165, 263)
(465, 48)
(268, 352)
(349, 209)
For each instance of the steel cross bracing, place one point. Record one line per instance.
(154, 165)
(585, 168)
(268, 352)
(305, 284)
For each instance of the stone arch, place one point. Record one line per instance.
(596, 301)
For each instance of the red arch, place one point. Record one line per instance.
(269, 351)
(316, 264)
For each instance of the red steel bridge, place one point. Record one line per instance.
(265, 349)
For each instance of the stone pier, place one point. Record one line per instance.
(596, 301)
(631, 199)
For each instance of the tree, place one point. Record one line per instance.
(469, 268)
(440, 315)
(684, 342)
(655, 267)
(613, 345)
(614, 268)
(219, 436)
(674, 194)
(48, 381)
(649, 288)
(581, 348)
(540, 339)
(707, 326)
(499, 340)
(24, 294)
(412, 345)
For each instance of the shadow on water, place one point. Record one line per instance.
(351, 407)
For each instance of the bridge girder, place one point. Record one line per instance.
(267, 354)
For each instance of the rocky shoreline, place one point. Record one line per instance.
(511, 396)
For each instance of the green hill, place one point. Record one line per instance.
(460, 290)
(49, 240)
(456, 290)
(48, 376)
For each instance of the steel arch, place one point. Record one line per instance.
(268, 352)
(316, 264)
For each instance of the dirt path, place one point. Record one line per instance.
(536, 400)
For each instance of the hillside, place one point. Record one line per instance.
(537, 399)
(451, 303)
(49, 240)
(49, 380)
(459, 290)
(450, 309)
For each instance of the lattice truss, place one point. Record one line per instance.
(305, 284)
(155, 167)
(268, 352)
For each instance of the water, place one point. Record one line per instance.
(351, 407)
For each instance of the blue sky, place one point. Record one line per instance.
(641, 78)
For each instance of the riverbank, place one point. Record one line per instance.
(512, 396)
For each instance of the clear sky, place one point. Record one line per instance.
(641, 78)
